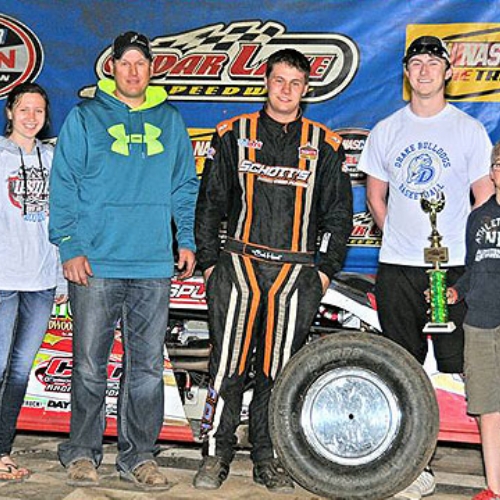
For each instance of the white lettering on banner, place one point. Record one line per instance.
(353, 143)
(187, 291)
(476, 54)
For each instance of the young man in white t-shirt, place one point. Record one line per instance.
(424, 149)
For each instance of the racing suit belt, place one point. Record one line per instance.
(269, 254)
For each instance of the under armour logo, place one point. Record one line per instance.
(122, 142)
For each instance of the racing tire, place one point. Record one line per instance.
(354, 416)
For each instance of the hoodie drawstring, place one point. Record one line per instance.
(25, 181)
(25, 177)
(143, 136)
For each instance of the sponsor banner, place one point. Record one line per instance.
(474, 50)
(227, 62)
(216, 56)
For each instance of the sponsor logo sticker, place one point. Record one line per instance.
(287, 176)
(249, 143)
(21, 54)
(308, 152)
(188, 293)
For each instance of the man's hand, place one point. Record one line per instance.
(325, 281)
(186, 263)
(78, 270)
(451, 295)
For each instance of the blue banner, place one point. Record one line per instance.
(210, 56)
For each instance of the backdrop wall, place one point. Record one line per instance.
(210, 55)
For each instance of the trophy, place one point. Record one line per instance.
(436, 254)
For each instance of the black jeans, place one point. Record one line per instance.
(402, 311)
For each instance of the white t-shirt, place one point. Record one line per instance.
(28, 261)
(421, 156)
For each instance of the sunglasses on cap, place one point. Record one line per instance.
(427, 45)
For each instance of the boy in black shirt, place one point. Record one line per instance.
(480, 287)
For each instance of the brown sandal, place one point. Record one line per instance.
(10, 471)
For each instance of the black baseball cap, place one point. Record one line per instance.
(431, 45)
(132, 40)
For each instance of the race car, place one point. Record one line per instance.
(351, 412)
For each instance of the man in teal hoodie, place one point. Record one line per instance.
(123, 171)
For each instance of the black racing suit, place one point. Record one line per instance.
(288, 207)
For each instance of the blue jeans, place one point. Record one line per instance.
(142, 305)
(23, 321)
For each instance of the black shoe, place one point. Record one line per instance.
(273, 476)
(212, 473)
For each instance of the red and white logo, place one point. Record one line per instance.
(224, 62)
(308, 152)
(364, 231)
(353, 140)
(21, 54)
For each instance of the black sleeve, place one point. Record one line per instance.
(335, 212)
(213, 200)
(463, 283)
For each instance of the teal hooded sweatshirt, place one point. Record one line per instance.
(120, 176)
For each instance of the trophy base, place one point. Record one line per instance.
(439, 327)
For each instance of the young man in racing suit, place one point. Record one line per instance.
(278, 179)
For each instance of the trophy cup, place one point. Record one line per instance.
(436, 254)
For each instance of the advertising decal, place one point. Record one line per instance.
(21, 54)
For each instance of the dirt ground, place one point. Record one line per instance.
(458, 472)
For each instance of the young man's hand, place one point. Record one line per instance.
(208, 272)
(325, 281)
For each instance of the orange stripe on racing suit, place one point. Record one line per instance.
(252, 315)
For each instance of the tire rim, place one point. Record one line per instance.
(350, 416)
